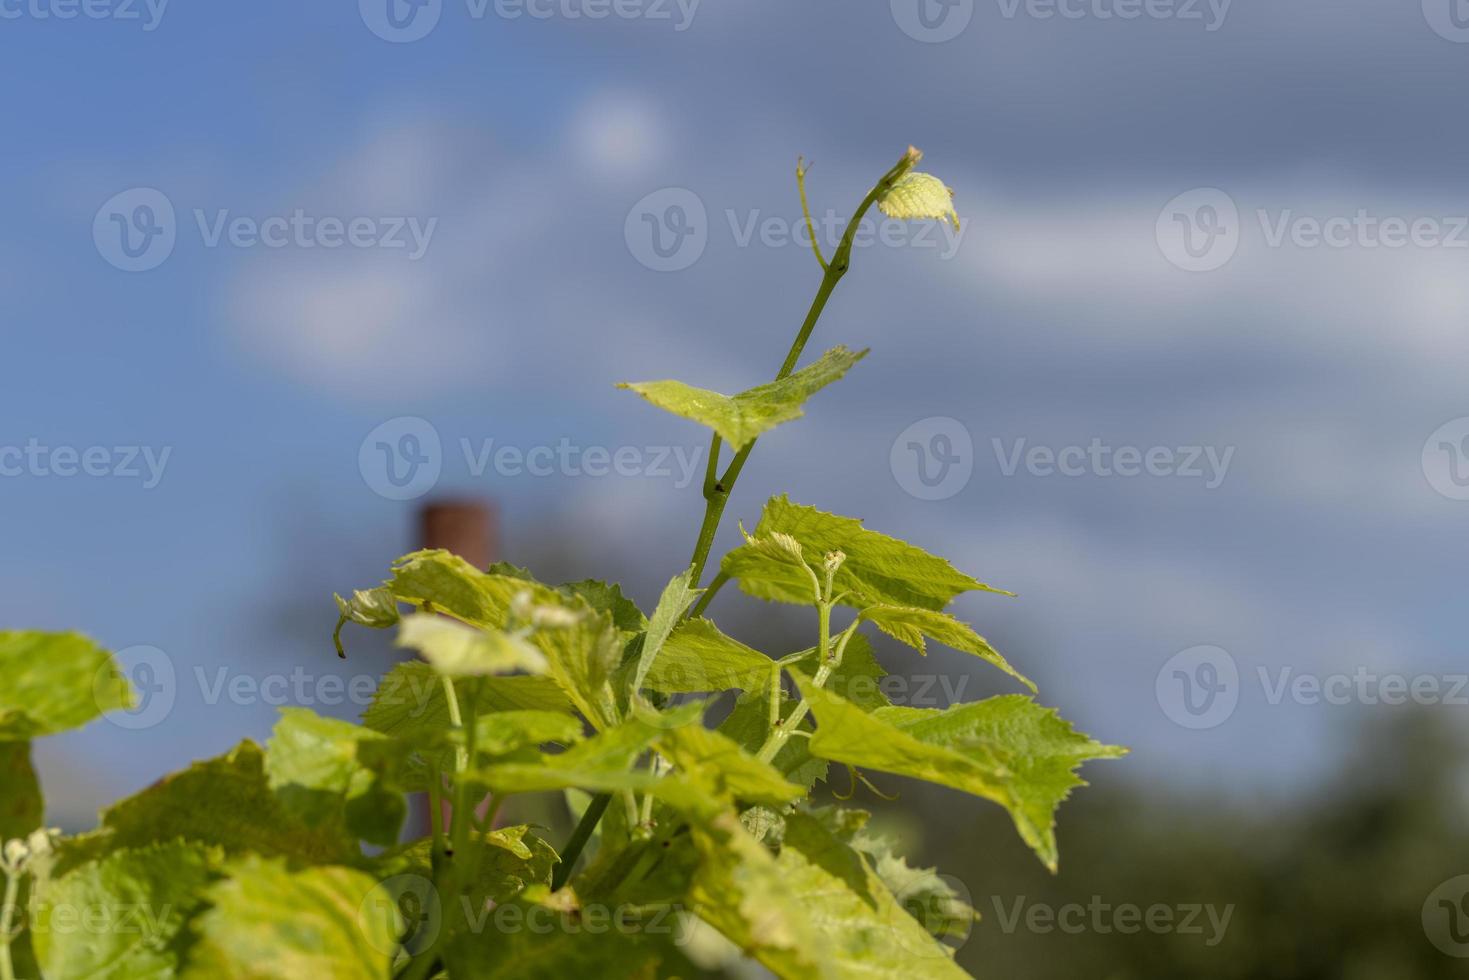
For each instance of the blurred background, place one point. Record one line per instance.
(1189, 379)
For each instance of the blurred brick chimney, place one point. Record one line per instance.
(468, 528)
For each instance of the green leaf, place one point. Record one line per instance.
(225, 801)
(318, 770)
(456, 650)
(677, 596)
(410, 704)
(602, 763)
(602, 597)
(121, 917)
(269, 923)
(21, 806)
(697, 657)
(515, 858)
(910, 624)
(582, 657)
(51, 682)
(877, 569)
(717, 765)
(1006, 749)
(504, 732)
(582, 646)
(739, 419)
(919, 195)
(532, 942)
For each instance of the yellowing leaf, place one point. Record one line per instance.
(919, 195)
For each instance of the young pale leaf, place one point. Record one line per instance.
(877, 569)
(671, 606)
(451, 585)
(741, 418)
(1006, 749)
(697, 657)
(374, 608)
(815, 910)
(456, 650)
(146, 895)
(919, 195)
(929, 897)
(322, 770)
(51, 682)
(911, 624)
(21, 806)
(266, 921)
(582, 645)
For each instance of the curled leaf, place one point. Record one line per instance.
(919, 195)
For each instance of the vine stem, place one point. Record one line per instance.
(717, 491)
(579, 838)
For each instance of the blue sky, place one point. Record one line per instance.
(1065, 314)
